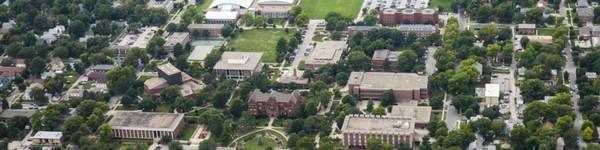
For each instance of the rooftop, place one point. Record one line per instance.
(176, 37)
(199, 53)
(11, 113)
(276, 1)
(526, 26)
(362, 28)
(168, 69)
(327, 52)
(102, 67)
(585, 11)
(492, 90)
(47, 135)
(145, 120)
(378, 124)
(154, 83)
(259, 96)
(205, 26)
(241, 3)
(388, 80)
(239, 61)
(229, 15)
(421, 114)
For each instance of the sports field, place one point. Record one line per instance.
(318, 9)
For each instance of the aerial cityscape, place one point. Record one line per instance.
(299, 75)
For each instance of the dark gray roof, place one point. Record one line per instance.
(259, 96)
(585, 12)
(362, 28)
(11, 113)
(102, 67)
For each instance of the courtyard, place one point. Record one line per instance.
(260, 40)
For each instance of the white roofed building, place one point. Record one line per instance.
(47, 138)
(238, 65)
(221, 17)
(491, 95)
(274, 8)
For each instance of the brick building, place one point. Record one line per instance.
(98, 73)
(421, 30)
(145, 125)
(363, 29)
(372, 85)
(394, 130)
(170, 75)
(526, 28)
(181, 38)
(391, 17)
(214, 30)
(379, 58)
(273, 104)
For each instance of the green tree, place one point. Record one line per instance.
(174, 145)
(532, 89)
(183, 104)
(104, 133)
(227, 30)
(120, 79)
(236, 107)
(358, 61)
(588, 134)
(388, 98)
(379, 111)
(376, 144)
(36, 66)
(407, 61)
(209, 144)
(281, 49)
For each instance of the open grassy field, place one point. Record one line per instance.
(444, 4)
(260, 40)
(186, 133)
(204, 4)
(545, 31)
(317, 9)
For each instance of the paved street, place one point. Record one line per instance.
(307, 40)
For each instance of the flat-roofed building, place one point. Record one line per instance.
(421, 30)
(11, 113)
(390, 17)
(214, 30)
(585, 14)
(393, 130)
(221, 17)
(372, 85)
(526, 28)
(379, 59)
(274, 8)
(199, 54)
(145, 125)
(170, 73)
(595, 31)
(47, 138)
(327, 52)
(585, 33)
(363, 29)
(294, 77)
(421, 114)
(154, 86)
(133, 40)
(238, 65)
(491, 95)
(162, 4)
(175, 38)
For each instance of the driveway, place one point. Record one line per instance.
(306, 41)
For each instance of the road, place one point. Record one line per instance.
(306, 41)
(512, 97)
(571, 69)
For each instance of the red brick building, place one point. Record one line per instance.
(390, 17)
(214, 30)
(379, 58)
(372, 85)
(273, 104)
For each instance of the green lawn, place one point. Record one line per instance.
(260, 40)
(444, 4)
(545, 31)
(163, 108)
(318, 9)
(186, 133)
(318, 38)
(254, 145)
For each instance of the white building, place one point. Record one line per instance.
(221, 17)
(164, 4)
(491, 95)
(52, 34)
(274, 8)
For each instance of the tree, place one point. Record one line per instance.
(532, 89)
(464, 102)
(220, 98)
(36, 66)
(379, 111)
(358, 61)
(388, 98)
(236, 107)
(120, 79)
(460, 138)
(518, 137)
(306, 143)
(281, 49)
(183, 104)
(407, 61)
(77, 29)
(227, 30)
(174, 145)
(588, 134)
(376, 144)
(564, 123)
(588, 103)
(370, 106)
(38, 95)
(209, 144)
(491, 112)
(104, 133)
(488, 33)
